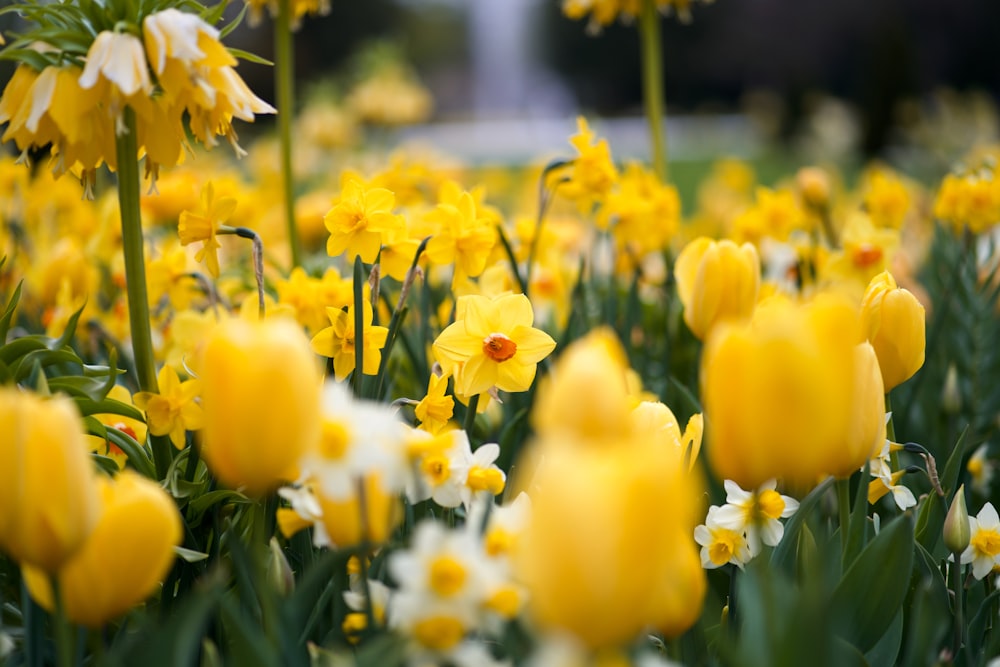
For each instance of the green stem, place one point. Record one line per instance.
(63, 631)
(127, 151)
(652, 84)
(357, 378)
(284, 84)
(890, 433)
(844, 507)
(958, 586)
(470, 415)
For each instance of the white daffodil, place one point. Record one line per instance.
(884, 483)
(758, 513)
(721, 545)
(441, 467)
(483, 478)
(984, 546)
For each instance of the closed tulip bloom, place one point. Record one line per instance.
(893, 322)
(48, 494)
(778, 392)
(716, 281)
(124, 558)
(261, 395)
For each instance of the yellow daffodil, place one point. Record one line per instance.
(774, 214)
(435, 409)
(360, 222)
(125, 557)
(203, 225)
(174, 410)
(593, 173)
(492, 343)
(462, 236)
(887, 200)
(338, 341)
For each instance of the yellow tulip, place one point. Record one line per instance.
(261, 395)
(716, 281)
(778, 392)
(626, 509)
(124, 558)
(48, 494)
(866, 430)
(343, 520)
(893, 322)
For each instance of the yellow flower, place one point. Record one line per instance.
(172, 411)
(261, 393)
(716, 281)
(130, 427)
(775, 214)
(338, 341)
(492, 343)
(435, 409)
(887, 199)
(984, 545)
(48, 493)
(464, 235)
(867, 429)
(778, 392)
(203, 224)
(360, 222)
(970, 200)
(125, 557)
(893, 322)
(119, 59)
(593, 173)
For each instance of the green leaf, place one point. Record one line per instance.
(927, 621)
(930, 516)
(886, 650)
(869, 594)
(15, 350)
(198, 506)
(136, 453)
(784, 554)
(108, 406)
(190, 555)
(978, 625)
(8, 313)
(249, 57)
(78, 386)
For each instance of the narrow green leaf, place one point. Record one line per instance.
(784, 554)
(8, 313)
(249, 57)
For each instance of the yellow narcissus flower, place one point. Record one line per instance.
(969, 200)
(173, 411)
(48, 492)
(338, 341)
(361, 221)
(716, 281)
(893, 321)
(593, 173)
(203, 225)
(463, 235)
(887, 200)
(778, 392)
(774, 214)
(436, 408)
(261, 394)
(123, 560)
(492, 343)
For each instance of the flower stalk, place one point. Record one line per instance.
(652, 84)
(284, 83)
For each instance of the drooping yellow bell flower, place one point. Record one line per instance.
(492, 343)
(778, 391)
(48, 493)
(261, 395)
(124, 558)
(716, 281)
(893, 321)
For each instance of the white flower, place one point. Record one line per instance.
(505, 524)
(442, 564)
(6, 645)
(721, 545)
(883, 483)
(305, 504)
(756, 512)
(119, 58)
(483, 477)
(980, 469)
(178, 35)
(380, 595)
(984, 546)
(442, 467)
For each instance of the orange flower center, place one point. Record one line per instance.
(499, 347)
(866, 255)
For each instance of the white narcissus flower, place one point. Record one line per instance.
(442, 467)
(984, 546)
(721, 545)
(756, 512)
(483, 477)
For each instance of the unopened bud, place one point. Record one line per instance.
(957, 531)
(279, 572)
(951, 398)
(814, 185)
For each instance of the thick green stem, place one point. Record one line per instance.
(652, 84)
(958, 587)
(890, 433)
(127, 151)
(844, 507)
(63, 631)
(284, 84)
(470, 415)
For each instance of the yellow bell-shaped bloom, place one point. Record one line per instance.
(716, 281)
(611, 526)
(124, 558)
(893, 322)
(48, 494)
(778, 391)
(261, 395)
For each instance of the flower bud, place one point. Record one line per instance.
(125, 557)
(951, 396)
(716, 281)
(814, 185)
(48, 494)
(893, 321)
(957, 531)
(279, 572)
(261, 395)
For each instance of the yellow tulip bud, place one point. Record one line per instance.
(778, 392)
(125, 557)
(893, 322)
(48, 493)
(261, 395)
(343, 520)
(626, 508)
(716, 281)
(866, 429)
